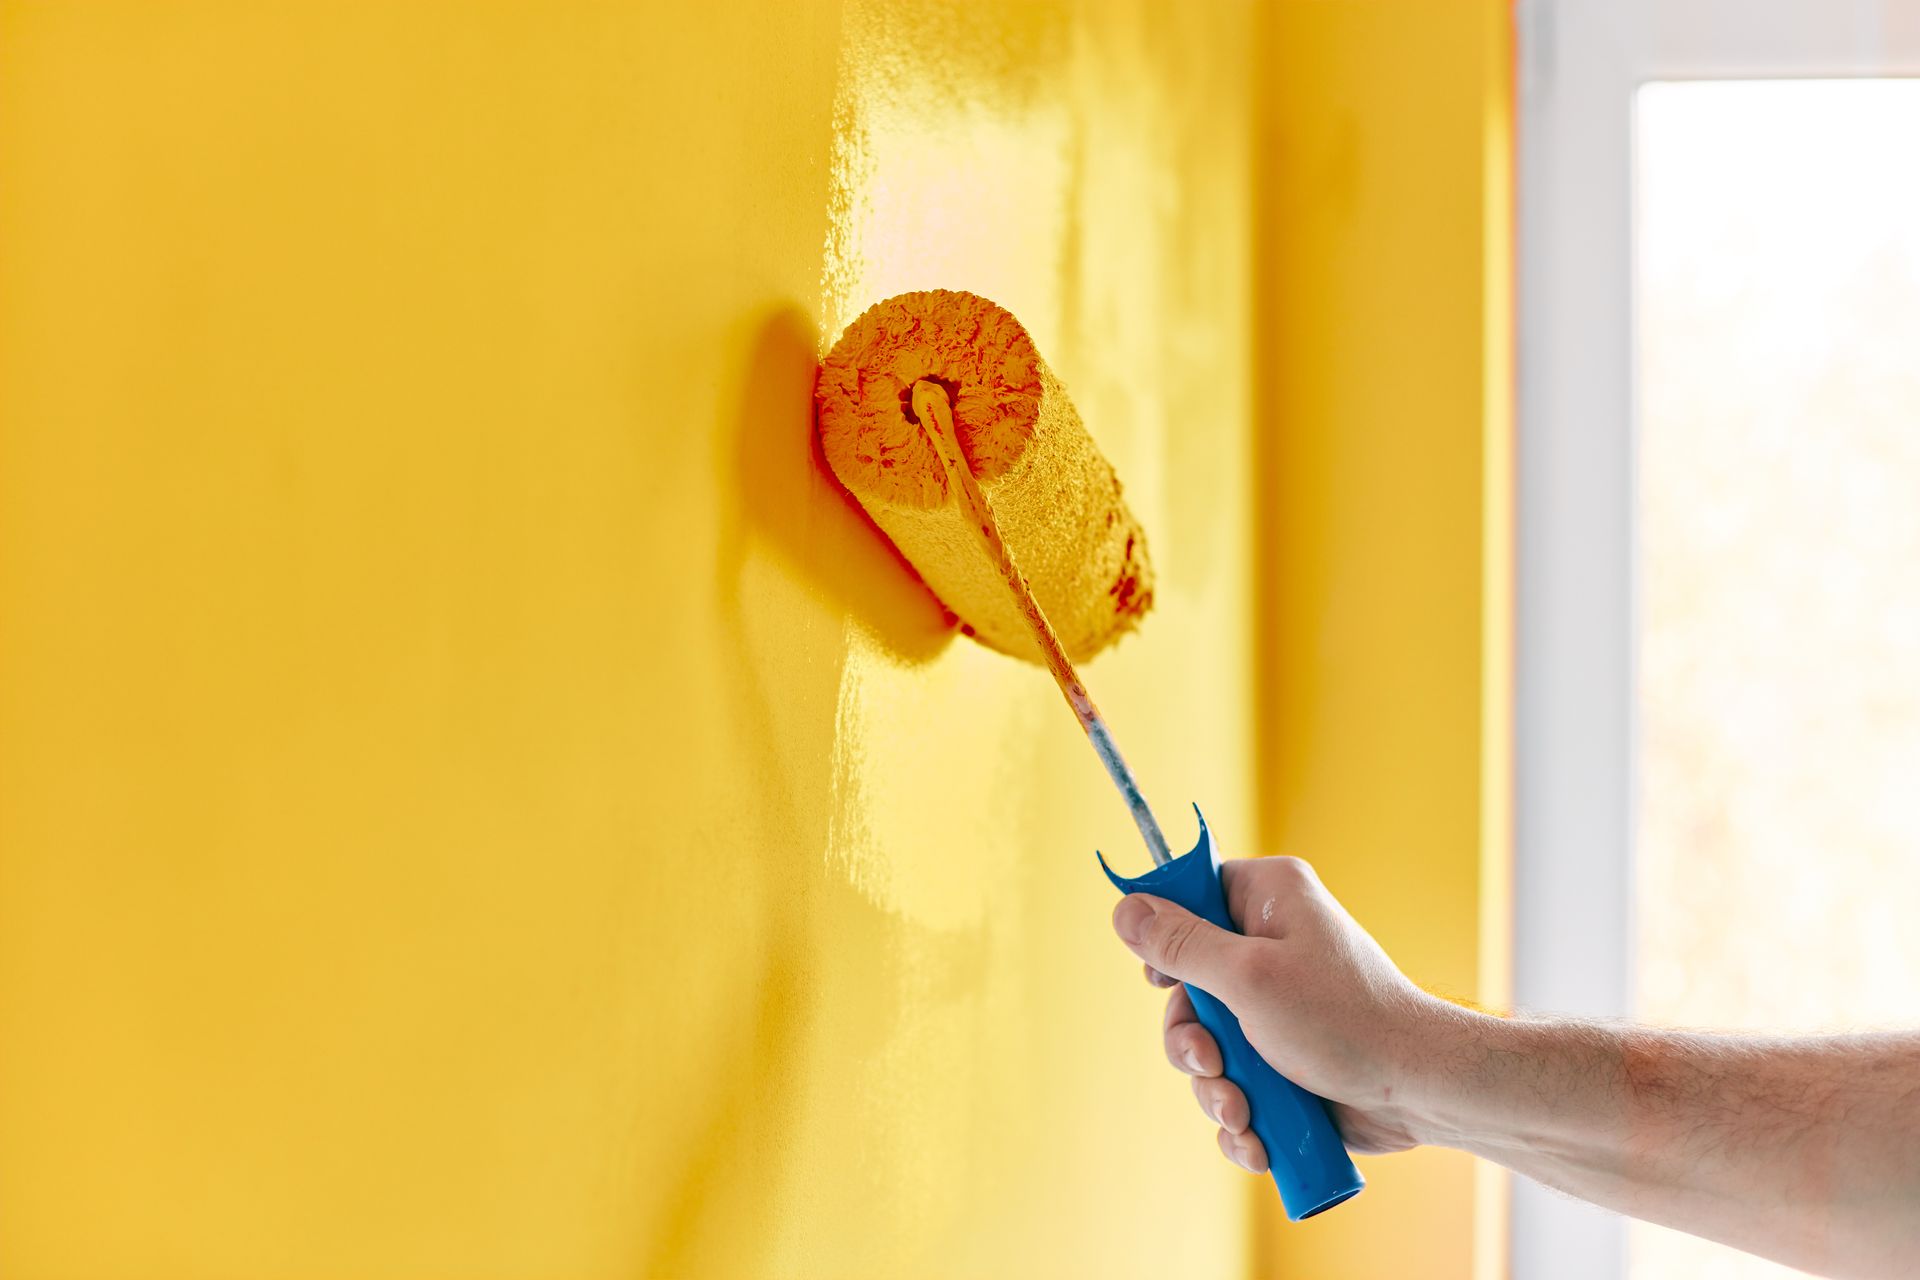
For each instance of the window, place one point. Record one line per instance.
(1717, 684)
(1777, 838)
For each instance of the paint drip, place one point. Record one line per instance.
(1056, 499)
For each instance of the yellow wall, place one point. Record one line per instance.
(1385, 433)
(476, 802)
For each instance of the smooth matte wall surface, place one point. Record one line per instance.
(477, 802)
(1385, 431)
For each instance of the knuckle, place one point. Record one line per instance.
(1179, 1046)
(1222, 1102)
(1175, 942)
(1192, 1050)
(1295, 873)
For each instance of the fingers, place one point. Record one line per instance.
(1180, 944)
(1178, 947)
(1189, 1047)
(1192, 1050)
(1223, 1102)
(1244, 1150)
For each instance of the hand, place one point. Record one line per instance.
(1805, 1150)
(1316, 996)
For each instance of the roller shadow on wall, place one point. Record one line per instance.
(796, 505)
(779, 707)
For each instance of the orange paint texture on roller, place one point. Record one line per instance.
(1057, 500)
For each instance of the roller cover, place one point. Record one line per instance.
(1310, 1165)
(1055, 498)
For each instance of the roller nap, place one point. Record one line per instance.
(1057, 500)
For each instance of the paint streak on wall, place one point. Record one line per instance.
(479, 801)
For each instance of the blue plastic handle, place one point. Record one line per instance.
(1310, 1165)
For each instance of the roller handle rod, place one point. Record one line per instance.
(935, 412)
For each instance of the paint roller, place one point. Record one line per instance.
(937, 413)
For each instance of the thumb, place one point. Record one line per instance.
(1178, 943)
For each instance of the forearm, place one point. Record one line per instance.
(1807, 1151)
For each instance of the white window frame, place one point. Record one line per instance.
(1580, 63)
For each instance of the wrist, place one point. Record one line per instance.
(1482, 1083)
(1498, 1085)
(1435, 1071)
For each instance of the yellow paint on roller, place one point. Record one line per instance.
(1057, 500)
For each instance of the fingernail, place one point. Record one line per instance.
(1131, 918)
(1193, 1060)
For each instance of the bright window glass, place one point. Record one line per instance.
(1777, 880)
